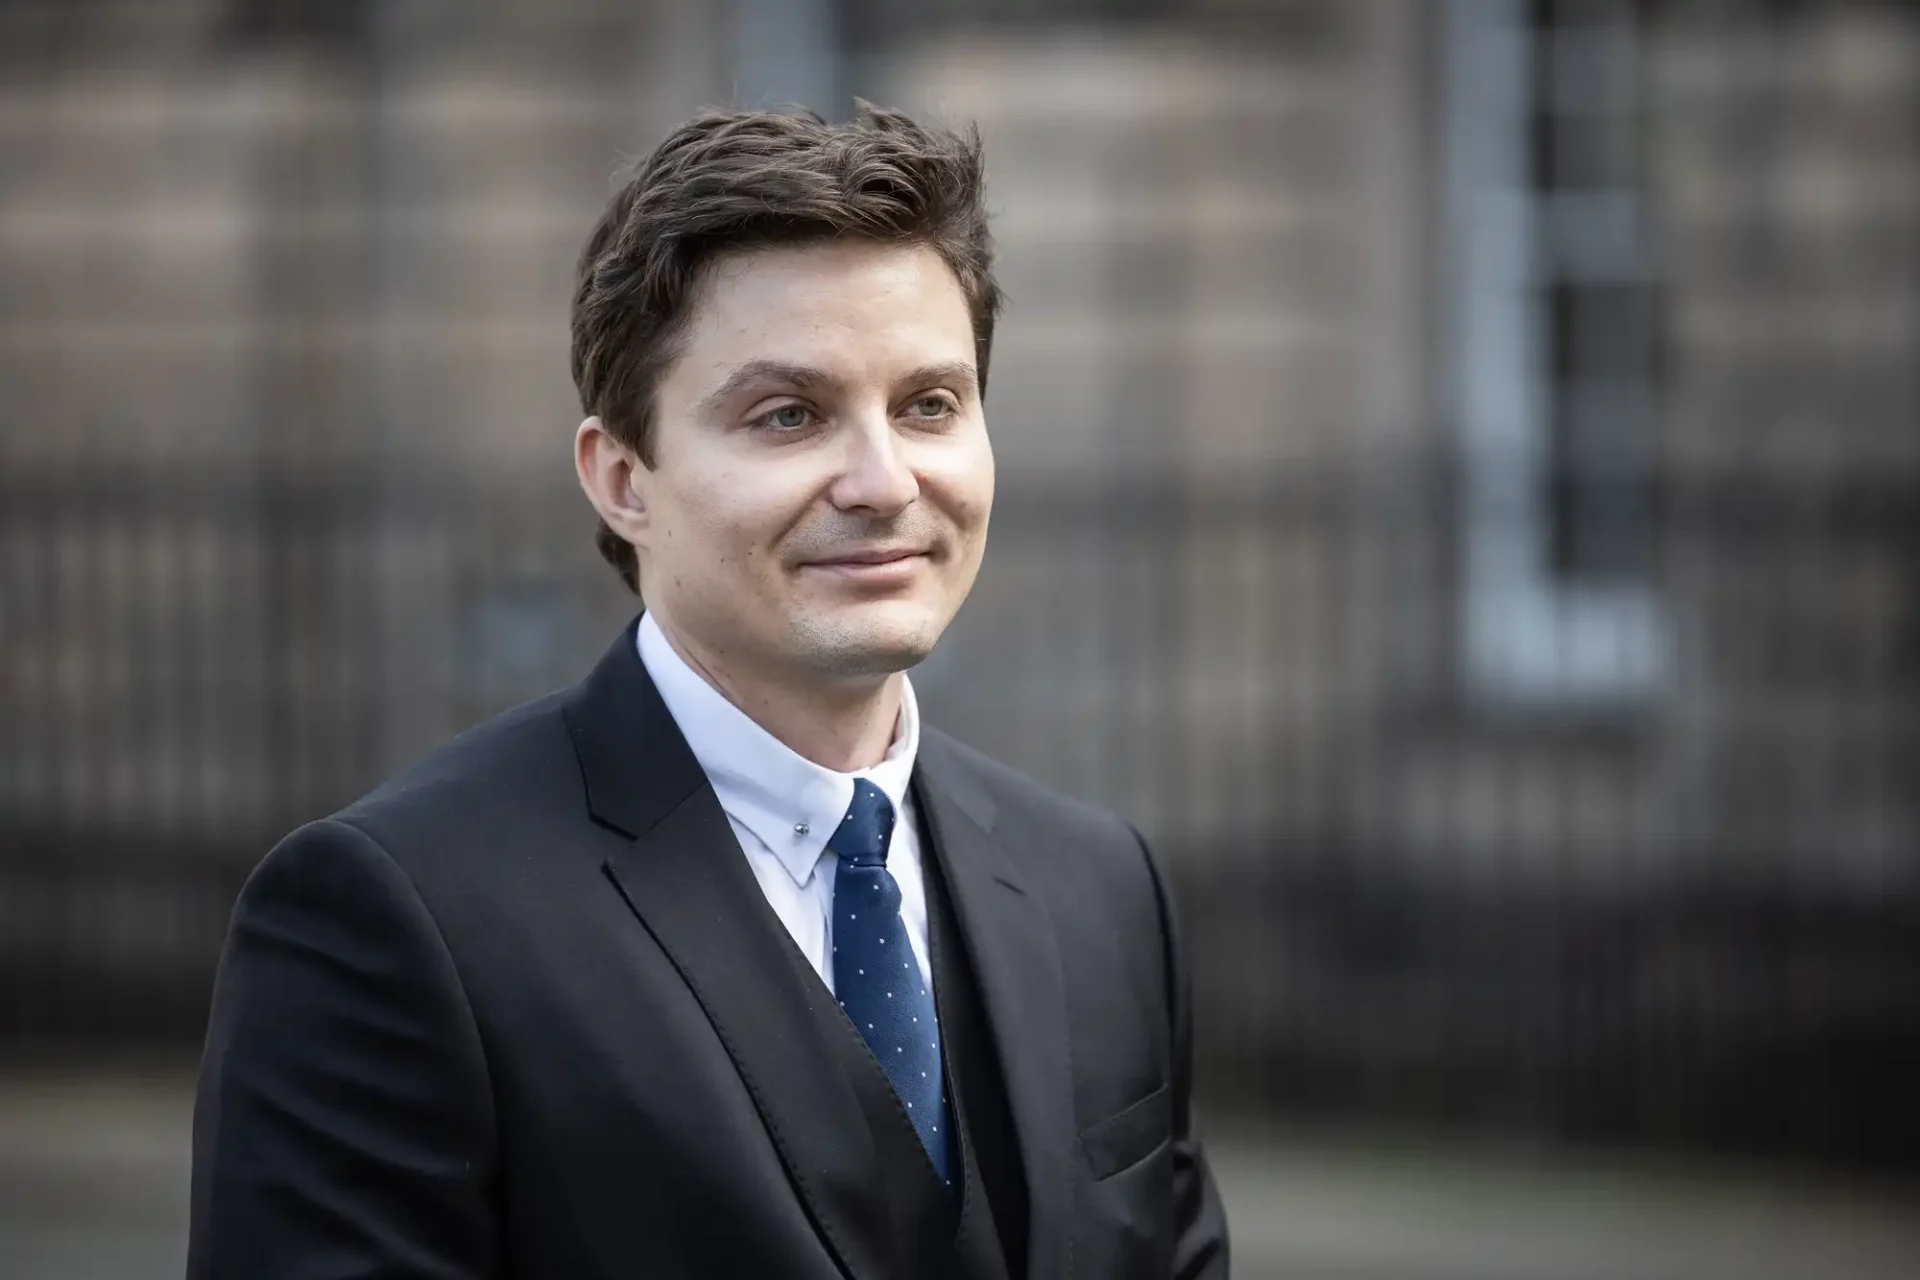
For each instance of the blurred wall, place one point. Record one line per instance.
(1458, 484)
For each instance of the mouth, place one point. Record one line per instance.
(878, 555)
(879, 565)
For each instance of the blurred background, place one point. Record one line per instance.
(1460, 495)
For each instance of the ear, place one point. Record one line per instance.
(613, 479)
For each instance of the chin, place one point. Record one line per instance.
(883, 641)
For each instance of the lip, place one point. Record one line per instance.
(879, 555)
(873, 568)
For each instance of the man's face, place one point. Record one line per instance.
(822, 478)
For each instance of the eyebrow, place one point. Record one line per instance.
(960, 371)
(803, 376)
(806, 377)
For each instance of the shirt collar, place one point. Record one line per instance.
(762, 783)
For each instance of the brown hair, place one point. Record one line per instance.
(733, 180)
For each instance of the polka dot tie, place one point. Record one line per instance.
(874, 973)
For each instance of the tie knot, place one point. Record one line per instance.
(864, 832)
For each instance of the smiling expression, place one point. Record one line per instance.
(821, 478)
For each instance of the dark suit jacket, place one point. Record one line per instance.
(524, 1012)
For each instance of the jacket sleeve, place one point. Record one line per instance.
(344, 1121)
(1200, 1221)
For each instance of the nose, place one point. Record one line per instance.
(876, 477)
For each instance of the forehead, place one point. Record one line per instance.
(856, 307)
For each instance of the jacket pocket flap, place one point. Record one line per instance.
(1130, 1135)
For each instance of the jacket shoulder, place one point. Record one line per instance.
(1026, 809)
(515, 768)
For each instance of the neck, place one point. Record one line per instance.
(843, 726)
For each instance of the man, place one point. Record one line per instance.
(721, 963)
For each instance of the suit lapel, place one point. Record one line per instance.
(685, 879)
(1009, 940)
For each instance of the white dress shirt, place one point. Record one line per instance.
(782, 806)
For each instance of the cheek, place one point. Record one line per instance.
(964, 481)
(730, 524)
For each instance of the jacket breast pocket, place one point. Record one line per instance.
(1129, 1136)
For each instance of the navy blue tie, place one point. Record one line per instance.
(874, 973)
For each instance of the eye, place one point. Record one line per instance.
(788, 417)
(931, 408)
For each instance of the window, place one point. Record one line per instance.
(1551, 325)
